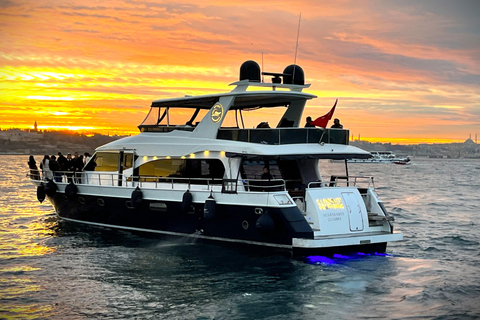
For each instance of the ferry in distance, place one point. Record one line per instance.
(196, 170)
(380, 157)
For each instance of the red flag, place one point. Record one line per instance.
(323, 120)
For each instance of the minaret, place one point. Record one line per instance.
(35, 126)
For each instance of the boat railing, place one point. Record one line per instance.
(155, 182)
(348, 181)
(279, 136)
(227, 185)
(266, 185)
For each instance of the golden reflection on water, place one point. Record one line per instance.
(25, 228)
(23, 240)
(19, 268)
(31, 311)
(20, 289)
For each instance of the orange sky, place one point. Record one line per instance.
(403, 71)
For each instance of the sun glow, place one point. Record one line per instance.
(50, 98)
(405, 141)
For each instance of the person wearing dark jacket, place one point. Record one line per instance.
(309, 123)
(55, 167)
(32, 164)
(79, 163)
(337, 124)
(78, 166)
(69, 167)
(62, 162)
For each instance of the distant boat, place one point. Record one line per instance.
(380, 157)
(403, 162)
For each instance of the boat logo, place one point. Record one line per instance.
(217, 112)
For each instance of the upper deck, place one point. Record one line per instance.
(275, 136)
(222, 115)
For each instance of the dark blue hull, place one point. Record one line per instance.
(232, 223)
(241, 225)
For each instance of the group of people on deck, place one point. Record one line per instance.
(52, 167)
(336, 123)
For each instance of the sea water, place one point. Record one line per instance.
(50, 269)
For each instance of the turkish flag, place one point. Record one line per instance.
(323, 120)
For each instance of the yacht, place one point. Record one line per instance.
(195, 169)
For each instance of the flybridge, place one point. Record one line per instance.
(222, 115)
(224, 110)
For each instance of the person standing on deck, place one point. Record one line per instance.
(45, 166)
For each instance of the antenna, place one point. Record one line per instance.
(296, 47)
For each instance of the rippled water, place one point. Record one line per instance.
(53, 270)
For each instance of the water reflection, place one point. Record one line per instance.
(51, 269)
(24, 235)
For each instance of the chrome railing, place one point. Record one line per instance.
(227, 185)
(345, 181)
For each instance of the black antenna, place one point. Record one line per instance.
(296, 48)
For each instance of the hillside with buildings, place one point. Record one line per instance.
(17, 141)
(467, 149)
(37, 142)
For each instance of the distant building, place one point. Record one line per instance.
(469, 141)
(18, 135)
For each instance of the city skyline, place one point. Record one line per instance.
(405, 72)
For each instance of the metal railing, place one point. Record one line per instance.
(279, 136)
(347, 181)
(226, 185)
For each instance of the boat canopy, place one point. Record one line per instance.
(244, 100)
(332, 156)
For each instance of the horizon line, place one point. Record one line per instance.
(115, 132)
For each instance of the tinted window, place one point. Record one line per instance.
(183, 168)
(106, 161)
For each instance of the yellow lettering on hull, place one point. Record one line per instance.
(330, 203)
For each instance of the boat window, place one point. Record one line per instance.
(127, 161)
(183, 168)
(106, 161)
(254, 169)
(174, 116)
(291, 174)
(329, 168)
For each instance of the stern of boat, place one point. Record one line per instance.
(345, 219)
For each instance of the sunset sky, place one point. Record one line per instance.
(403, 71)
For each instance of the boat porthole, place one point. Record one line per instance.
(100, 202)
(128, 204)
(258, 210)
(245, 224)
(81, 200)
